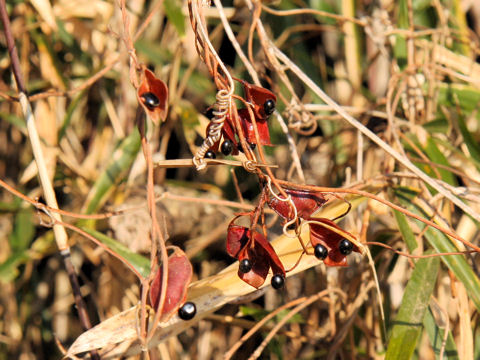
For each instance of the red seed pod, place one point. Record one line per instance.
(249, 129)
(306, 202)
(263, 100)
(179, 276)
(152, 95)
(320, 235)
(257, 250)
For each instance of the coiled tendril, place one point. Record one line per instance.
(215, 129)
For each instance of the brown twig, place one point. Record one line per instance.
(385, 202)
(59, 231)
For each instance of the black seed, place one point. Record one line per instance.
(227, 147)
(209, 113)
(269, 107)
(187, 311)
(320, 252)
(150, 100)
(251, 145)
(292, 226)
(278, 281)
(245, 266)
(345, 246)
(210, 155)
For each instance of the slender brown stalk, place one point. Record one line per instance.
(59, 231)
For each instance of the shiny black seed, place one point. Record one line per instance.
(210, 155)
(292, 226)
(269, 107)
(150, 100)
(320, 252)
(245, 266)
(209, 113)
(278, 281)
(187, 311)
(227, 147)
(345, 246)
(252, 146)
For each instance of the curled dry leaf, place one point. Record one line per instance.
(152, 95)
(179, 276)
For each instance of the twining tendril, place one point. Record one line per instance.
(215, 129)
(292, 205)
(249, 165)
(223, 79)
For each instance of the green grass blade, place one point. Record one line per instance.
(442, 244)
(9, 268)
(437, 157)
(174, 13)
(406, 230)
(139, 262)
(436, 336)
(470, 141)
(408, 326)
(23, 231)
(121, 161)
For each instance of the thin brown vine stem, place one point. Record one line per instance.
(141, 29)
(411, 256)
(41, 206)
(254, 76)
(271, 49)
(156, 234)
(166, 195)
(261, 323)
(255, 16)
(99, 244)
(285, 319)
(260, 149)
(383, 201)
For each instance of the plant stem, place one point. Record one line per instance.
(59, 231)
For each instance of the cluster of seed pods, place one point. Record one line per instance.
(262, 102)
(255, 254)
